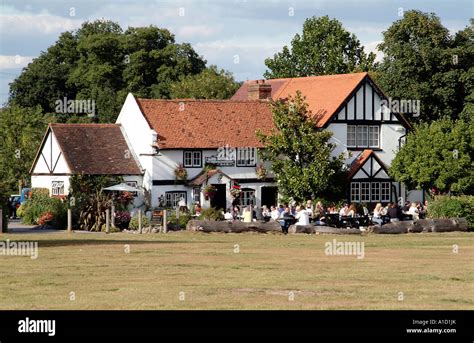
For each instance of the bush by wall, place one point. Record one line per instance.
(134, 222)
(39, 204)
(211, 214)
(445, 206)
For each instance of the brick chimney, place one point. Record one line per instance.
(259, 90)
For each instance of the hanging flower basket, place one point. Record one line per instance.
(261, 172)
(180, 172)
(209, 191)
(235, 191)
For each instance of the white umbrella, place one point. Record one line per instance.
(122, 187)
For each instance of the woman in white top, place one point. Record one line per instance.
(302, 216)
(275, 214)
(378, 212)
(413, 210)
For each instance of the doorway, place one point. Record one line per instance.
(269, 196)
(219, 200)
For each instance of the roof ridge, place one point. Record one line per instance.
(206, 100)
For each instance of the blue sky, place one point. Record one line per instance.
(218, 30)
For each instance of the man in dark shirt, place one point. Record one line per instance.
(393, 212)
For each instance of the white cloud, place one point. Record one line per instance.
(372, 47)
(197, 31)
(14, 62)
(42, 23)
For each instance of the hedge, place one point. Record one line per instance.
(445, 206)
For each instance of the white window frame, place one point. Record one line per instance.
(365, 191)
(355, 191)
(172, 198)
(375, 192)
(246, 157)
(385, 191)
(197, 194)
(374, 136)
(57, 187)
(247, 196)
(192, 158)
(362, 136)
(351, 136)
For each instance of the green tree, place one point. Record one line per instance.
(22, 131)
(323, 48)
(100, 62)
(209, 84)
(301, 153)
(438, 154)
(423, 62)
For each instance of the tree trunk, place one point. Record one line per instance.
(393, 228)
(422, 225)
(321, 229)
(233, 227)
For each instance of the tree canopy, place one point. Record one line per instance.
(301, 153)
(437, 155)
(102, 63)
(211, 83)
(422, 61)
(324, 47)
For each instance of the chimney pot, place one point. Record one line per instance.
(259, 90)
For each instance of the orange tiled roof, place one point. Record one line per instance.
(201, 124)
(360, 161)
(324, 94)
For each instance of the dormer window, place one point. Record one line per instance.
(363, 136)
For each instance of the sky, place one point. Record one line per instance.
(236, 35)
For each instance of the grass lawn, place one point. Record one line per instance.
(187, 270)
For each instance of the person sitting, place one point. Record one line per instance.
(247, 214)
(393, 212)
(286, 219)
(266, 212)
(236, 212)
(378, 213)
(413, 211)
(302, 216)
(344, 210)
(352, 211)
(197, 209)
(229, 215)
(275, 214)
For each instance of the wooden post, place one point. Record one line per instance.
(69, 220)
(1, 220)
(107, 221)
(165, 225)
(113, 215)
(139, 220)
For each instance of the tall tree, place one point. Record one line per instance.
(22, 130)
(323, 48)
(301, 154)
(439, 155)
(100, 62)
(209, 84)
(423, 62)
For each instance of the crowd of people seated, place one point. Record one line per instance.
(348, 215)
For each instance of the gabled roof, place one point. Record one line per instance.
(360, 160)
(95, 149)
(201, 124)
(324, 94)
(204, 175)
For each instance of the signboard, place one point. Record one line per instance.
(219, 162)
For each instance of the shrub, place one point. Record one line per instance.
(134, 222)
(112, 229)
(211, 214)
(445, 206)
(122, 219)
(39, 204)
(20, 211)
(184, 218)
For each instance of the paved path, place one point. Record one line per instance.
(16, 226)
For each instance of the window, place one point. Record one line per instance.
(197, 194)
(375, 192)
(192, 159)
(355, 192)
(246, 157)
(351, 136)
(374, 141)
(57, 188)
(363, 136)
(172, 198)
(365, 191)
(247, 197)
(385, 186)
